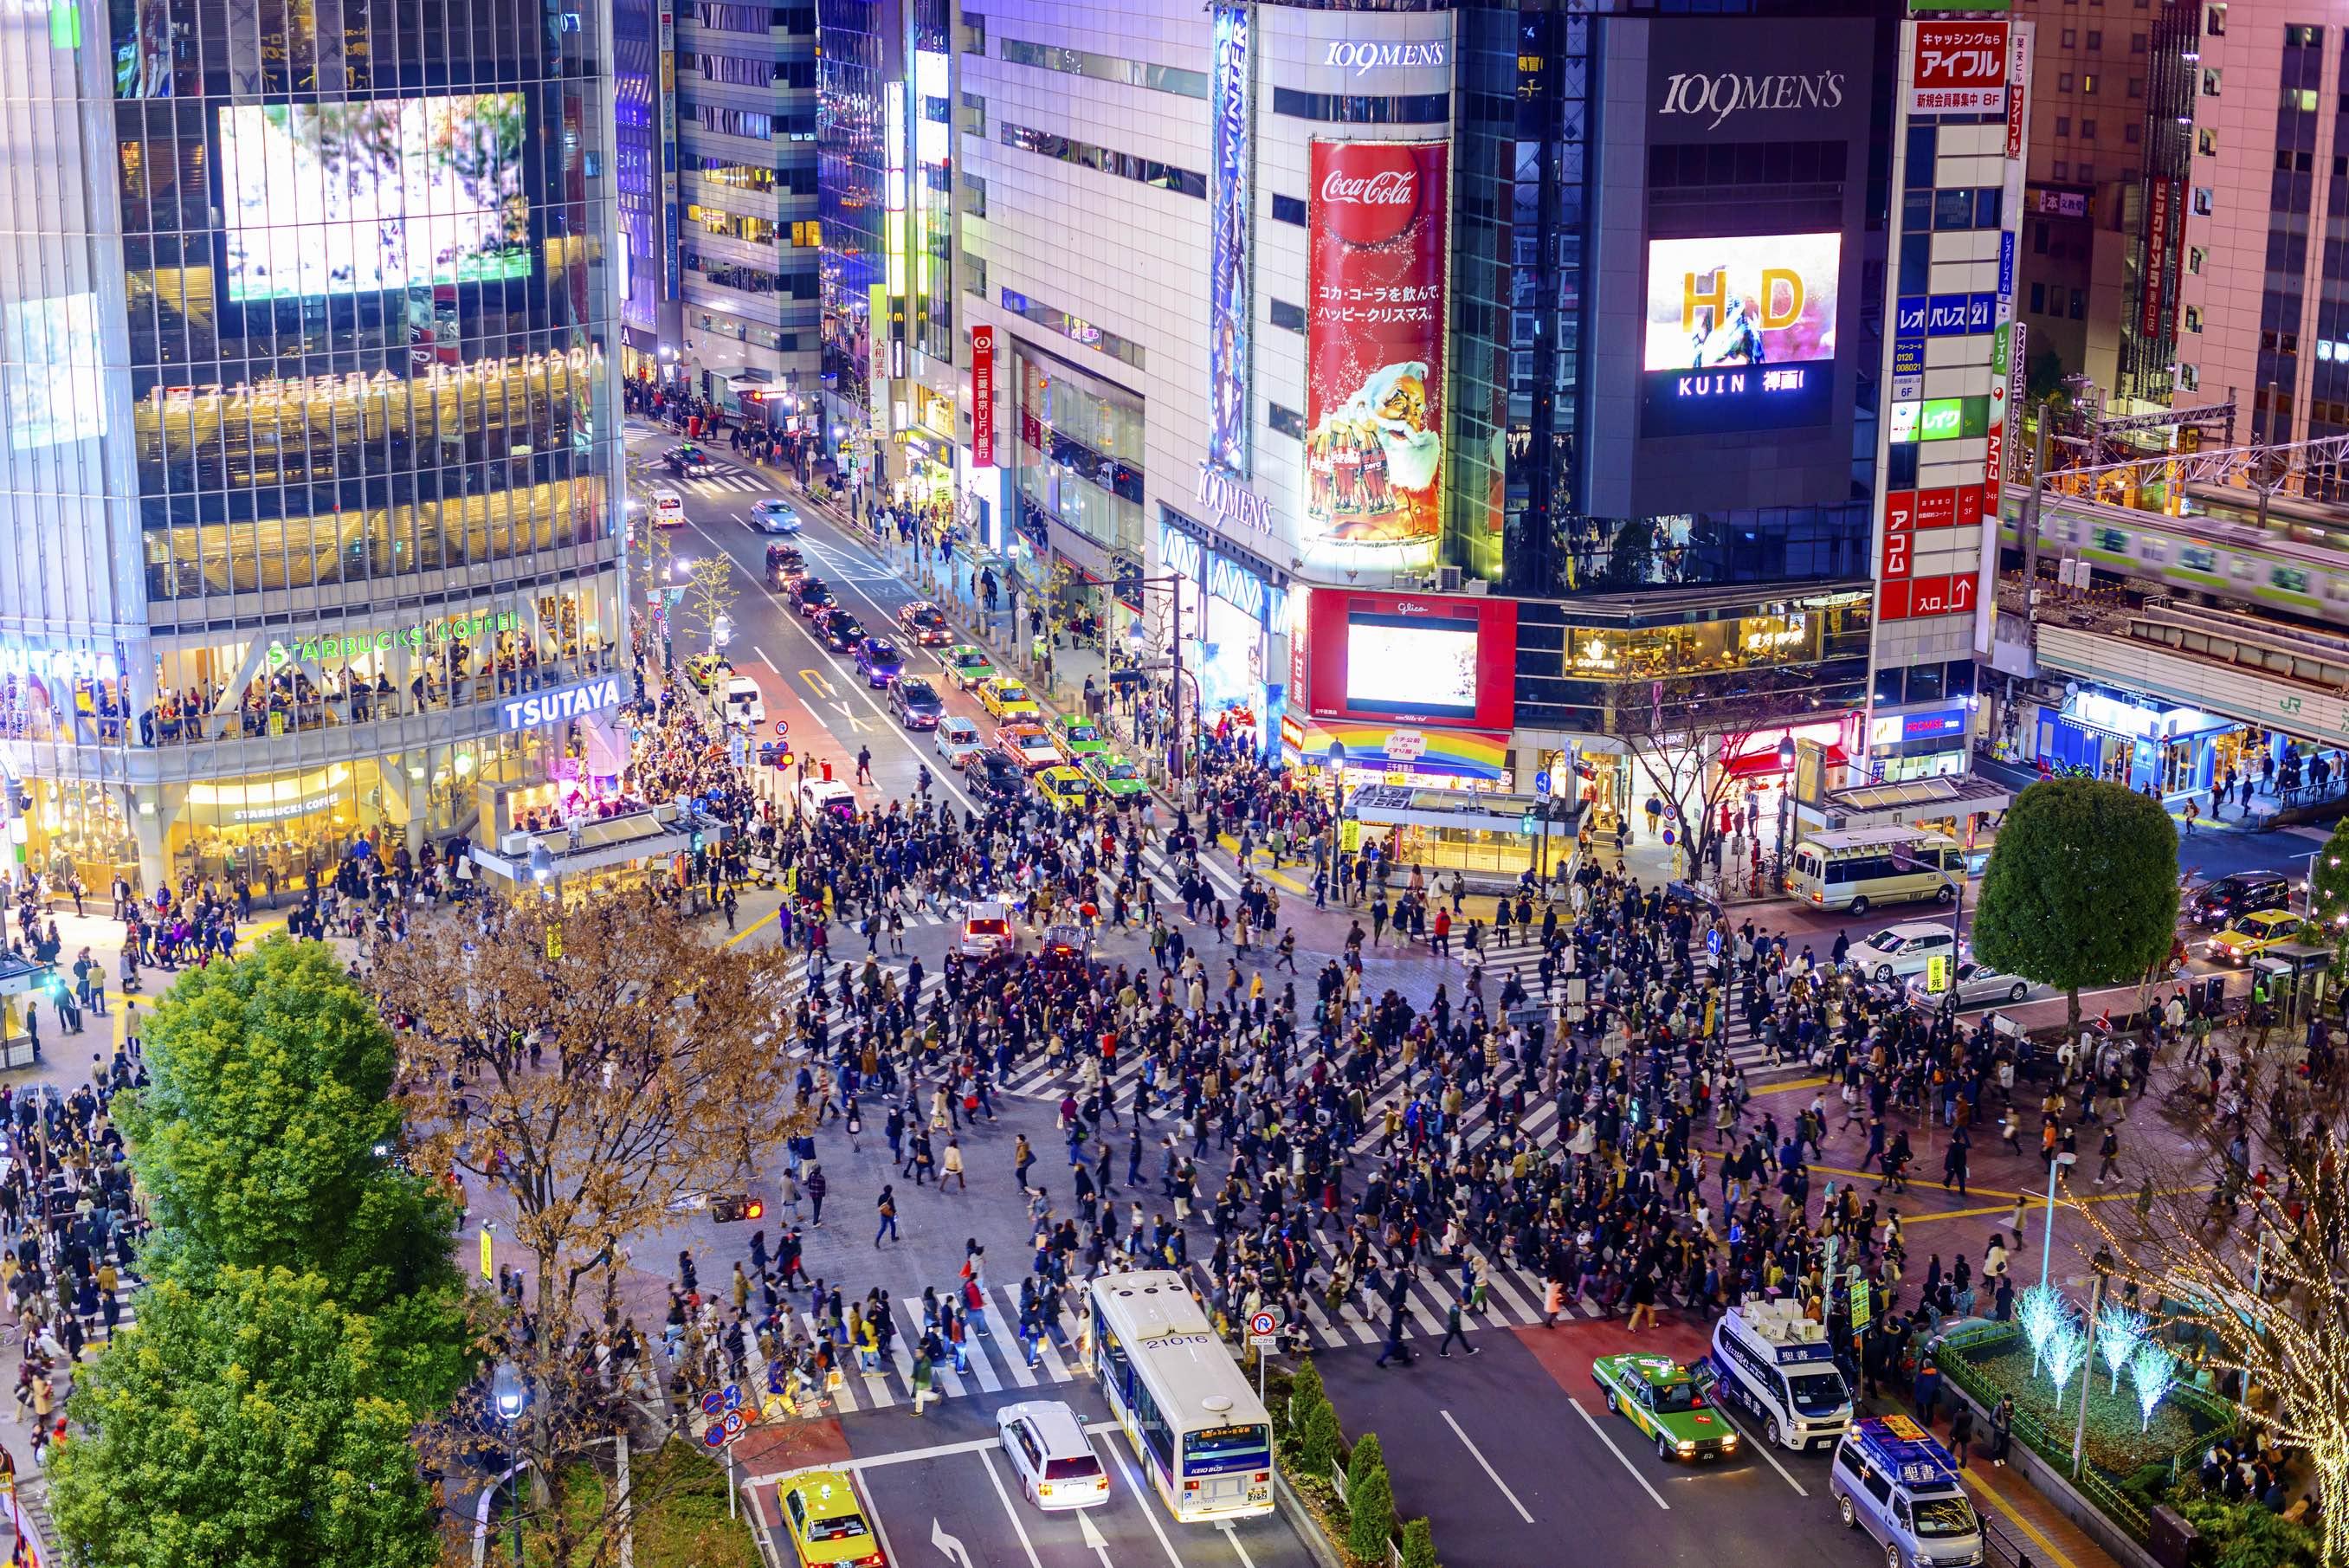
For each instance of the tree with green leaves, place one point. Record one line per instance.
(2082, 889)
(2328, 891)
(265, 1137)
(241, 1424)
(1370, 1500)
(1419, 1545)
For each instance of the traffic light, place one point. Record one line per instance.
(726, 1210)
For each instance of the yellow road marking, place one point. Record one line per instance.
(759, 924)
(815, 680)
(2055, 1553)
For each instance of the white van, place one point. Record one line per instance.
(669, 509)
(744, 703)
(1771, 1360)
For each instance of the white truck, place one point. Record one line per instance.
(1774, 1362)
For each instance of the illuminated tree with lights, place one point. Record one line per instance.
(2152, 1370)
(2042, 1310)
(2119, 1331)
(2068, 1348)
(2328, 890)
(2261, 1290)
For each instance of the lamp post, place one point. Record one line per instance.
(1338, 792)
(509, 1395)
(1786, 793)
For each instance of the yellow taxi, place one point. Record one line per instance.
(703, 670)
(825, 1521)
(1065, 789)
(1007, 698)
(2246, 935)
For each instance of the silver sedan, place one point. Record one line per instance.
(1976, 986)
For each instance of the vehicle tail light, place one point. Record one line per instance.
(872, 1560)
(1261, 1478)
(1043, 1489)
(1190, 1486)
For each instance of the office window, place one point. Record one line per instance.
(2088, 83)
(2063, 82)
(2211, 81)
(2136, 90)
(1287, 316)
(2137, 43)
(1289, 209)
(2132, 132)
(2079, 304)
(2193, 318)
(2214, 20)
(2063, 169)
(2063, 125)
(2205, 141)
(2071, 38)
(2087, 130)
(1288, 421)
(2095, 39)
(2038, 299)
(2086, 174)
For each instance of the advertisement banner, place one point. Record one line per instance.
(1960, 68)
(1444, 660)
(1233, 192)
(2018, 86)
(1374, 354)
(1740, 331)
(982, 396)
(2160, 217)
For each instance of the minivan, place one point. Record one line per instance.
(743, 703)
(1891, 1479)
(1864, 867)
(668, 508)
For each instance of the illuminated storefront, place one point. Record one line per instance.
(1236, 627)
(322, 468)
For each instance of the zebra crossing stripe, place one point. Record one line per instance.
(1007, 1340)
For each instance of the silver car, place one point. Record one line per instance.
(1975, 984)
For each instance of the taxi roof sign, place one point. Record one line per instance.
(1905, 1449)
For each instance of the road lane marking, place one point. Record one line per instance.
(1747, 1438)
(1142, 1498)
(1625, 1459)
(816, 683)
(986, 1458)
(956, 1552)
(765, 660)
(1486, 1466)
(1234, 1537)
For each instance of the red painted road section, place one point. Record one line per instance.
(1566, 1351)
(784, 1446)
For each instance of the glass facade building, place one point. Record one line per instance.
(859, 39)
(307, 353)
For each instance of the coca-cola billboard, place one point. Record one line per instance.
(1374, 355)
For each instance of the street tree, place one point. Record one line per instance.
(2247, 1272)
(2082, 887)
(242, 1424)
(602, 1069)
(1684, 730)
(2328, 891)
(709, 590)
(266, 1137)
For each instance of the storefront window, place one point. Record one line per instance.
(1079, 453)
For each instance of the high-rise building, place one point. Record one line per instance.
(749, 236)
(309, 515)
(645, 162)
(2092, 90)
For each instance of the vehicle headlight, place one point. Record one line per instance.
(1688, 1447)
(1729, 1441)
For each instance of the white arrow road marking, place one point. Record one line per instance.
(1092, 1535)
(986, 1458)
(949, 1544)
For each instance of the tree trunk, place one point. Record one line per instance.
(2333, 1495)
(2072, 1012)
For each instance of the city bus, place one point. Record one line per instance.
(1863, 867)
(1184, 1405)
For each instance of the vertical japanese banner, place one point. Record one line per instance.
(982, 396)
(1374, 354)
(1233, 193)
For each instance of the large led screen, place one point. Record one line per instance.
(1402, 663)
(1740, 331)
(327, 199)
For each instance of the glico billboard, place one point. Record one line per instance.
(1437, 659)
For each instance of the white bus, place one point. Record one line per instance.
(1193, 1418)
(1864, 867)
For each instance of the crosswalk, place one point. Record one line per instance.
(728, 480)
(991, 1360)
(1522, 959)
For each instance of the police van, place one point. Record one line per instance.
(1771, 1360)
(1893, 1481)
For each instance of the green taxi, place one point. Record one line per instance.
(1117, 778)
(1660, 1397)
(967, 665)
(1078, 735)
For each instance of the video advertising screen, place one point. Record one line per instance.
(1400, 663)
(326, 199)
(1740, 333)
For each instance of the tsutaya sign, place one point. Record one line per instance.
(1232, 501)
(424, 634)
(562, 703)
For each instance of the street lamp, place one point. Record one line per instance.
(508, 1395)
(1785, 794)
(1337, 817)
